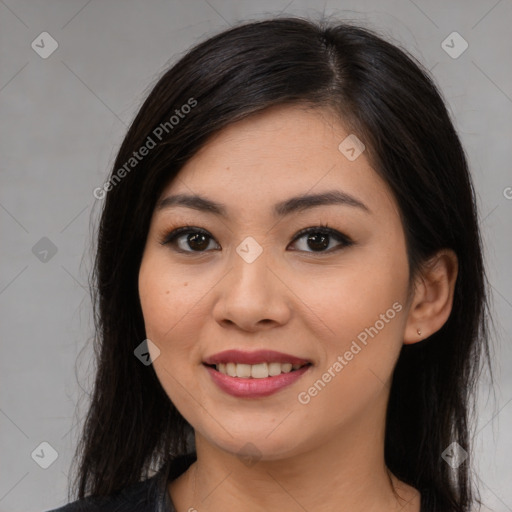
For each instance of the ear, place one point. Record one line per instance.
(432, 301)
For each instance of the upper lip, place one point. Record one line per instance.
(256, 357)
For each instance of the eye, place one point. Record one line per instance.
(190, 239)
(319, 238)
(196, 238)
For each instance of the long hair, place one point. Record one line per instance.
(385, 96)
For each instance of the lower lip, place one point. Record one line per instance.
(255, 388)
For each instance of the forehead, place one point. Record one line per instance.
(281, 152)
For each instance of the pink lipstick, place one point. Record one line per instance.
(254, 374)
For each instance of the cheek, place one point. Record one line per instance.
(361, 310)
(352, 297)
(167, 303)
(165, 296)
(358, 356)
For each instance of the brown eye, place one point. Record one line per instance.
(318, 239)
(197, 241)
(188, 239)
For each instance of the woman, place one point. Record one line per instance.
(291, 296)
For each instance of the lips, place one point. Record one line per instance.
(233, 371)
(256, 357)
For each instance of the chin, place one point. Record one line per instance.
(257, 445)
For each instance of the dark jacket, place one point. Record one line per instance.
(148, 496)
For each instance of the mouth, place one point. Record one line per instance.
(255, 374)
(256, 371)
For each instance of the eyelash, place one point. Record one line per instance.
(324, 229)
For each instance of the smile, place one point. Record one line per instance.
(256, 371)
(254, 374)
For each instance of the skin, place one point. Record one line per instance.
(328, 454)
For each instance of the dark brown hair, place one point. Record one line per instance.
(387, 98)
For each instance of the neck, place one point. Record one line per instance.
(344, 473)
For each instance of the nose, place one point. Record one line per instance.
(252, 296)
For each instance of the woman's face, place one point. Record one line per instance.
(244, 280)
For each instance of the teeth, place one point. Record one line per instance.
(259, 371)
(286, 367)
(230, 369)
(243, 370)
(274, 369)
(256, 371)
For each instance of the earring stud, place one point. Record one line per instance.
(419, 332)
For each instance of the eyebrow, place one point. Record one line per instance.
(294, 204)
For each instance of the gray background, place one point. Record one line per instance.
(63, 118)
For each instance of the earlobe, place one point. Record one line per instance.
(433, 297)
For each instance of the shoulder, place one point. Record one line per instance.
(149, 495)
(139, 497)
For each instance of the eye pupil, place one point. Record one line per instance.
(198, 237)
(319, 240)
